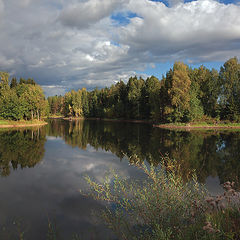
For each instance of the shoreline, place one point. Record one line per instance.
(22, 125)
(192, 127)
(187, 127)
(107, 120)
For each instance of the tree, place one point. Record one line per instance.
(179, 92)
(32, 100)
(134, 88)
(4, 78)
(196, 109)
(150, 99)
(10, 107)
(77, 103)
(22, 81)
(230, 78)
(4, 81)
(8, 100)
(85, 102)
(121, 93)
(13, 83)
(209, 87)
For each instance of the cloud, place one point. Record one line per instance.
(73, 44)
(83, 14)
(53, 90)
(199, 29)
(175, 2)
(24, 3)
(1, 8)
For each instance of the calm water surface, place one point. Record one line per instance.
(42, 170)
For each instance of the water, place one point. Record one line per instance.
(42, 170)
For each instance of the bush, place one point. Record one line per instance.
(165, 207)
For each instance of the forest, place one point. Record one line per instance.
(182, 95)
(23, 100)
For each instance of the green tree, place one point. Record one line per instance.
(134, 88)
(196, 109)
(209, 89)
(179, 92)
(150, 99)
(85, 106)
(4, 82)
(32, 100)
(77, 103)
(230, 78)
(10, 107)
(13, 83)
(121, 103)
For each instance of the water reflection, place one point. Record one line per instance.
(20, 149)
(210, 153)
(63, 152)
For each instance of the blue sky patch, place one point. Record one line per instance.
(160, 69)
(123, 18)
(115, 43)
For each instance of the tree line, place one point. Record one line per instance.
(182, 95)
(21, 100)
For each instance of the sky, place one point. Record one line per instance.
(70, 44)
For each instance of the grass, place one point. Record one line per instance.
(201, 125)
(166, 207)
(21, 122)
(55, 116)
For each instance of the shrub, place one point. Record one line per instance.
(163, 206)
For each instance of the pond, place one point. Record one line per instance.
(43, 169)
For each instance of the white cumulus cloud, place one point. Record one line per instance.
(199, 29)
(65, 44)
(1, 9)
(83, 14)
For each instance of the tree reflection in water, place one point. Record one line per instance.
(21, 149)
(210, 153)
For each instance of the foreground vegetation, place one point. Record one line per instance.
(164, 206)
(183, 95)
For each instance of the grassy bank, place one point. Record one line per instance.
(199, 125)
(55, 116)
(164, 206)
(22, 123)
